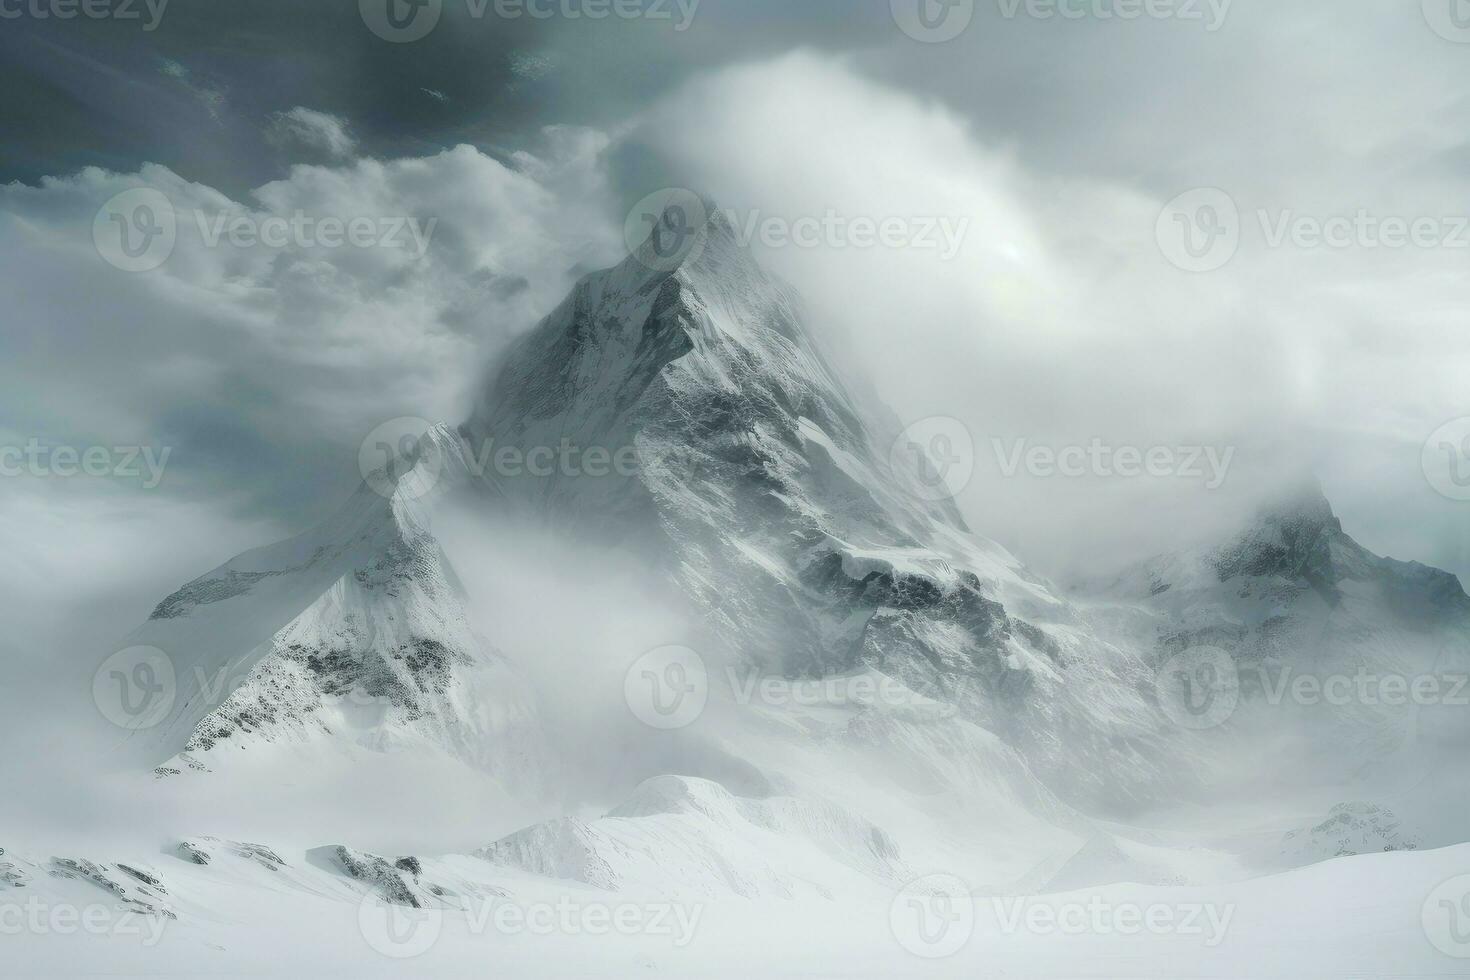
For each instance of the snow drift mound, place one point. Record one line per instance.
(681, 835)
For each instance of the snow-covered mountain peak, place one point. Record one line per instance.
(1301, 504)
(1297, 537)
(689, 409)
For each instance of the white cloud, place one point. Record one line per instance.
(262, 368)
(1060, 319)
(318, 131)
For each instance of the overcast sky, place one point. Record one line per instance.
(1061, 316)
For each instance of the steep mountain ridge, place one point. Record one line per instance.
(1287, 583)
(355, 630)
(797, 524)
(1354, 663)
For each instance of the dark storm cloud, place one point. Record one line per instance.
(196, 93)
(1154, 101)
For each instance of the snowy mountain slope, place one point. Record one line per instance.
(744, 440)
(1028, 749)
(1315, 626)
(1311, 670)
(689, 836)
(1290, 582)
(355, 630)
(801, 532)
(779, 507)
(311, 918)
(796, 522)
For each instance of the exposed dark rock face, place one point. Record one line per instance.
(204, 850)
(1348, 829)
(386, 879)
(11, 874)
(1299, 543)
(138, 890)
